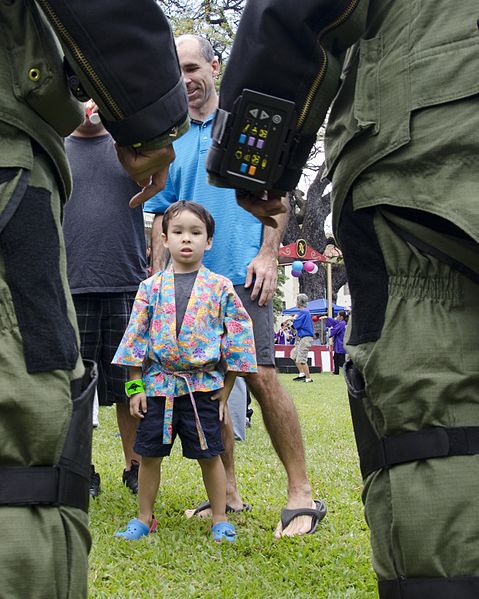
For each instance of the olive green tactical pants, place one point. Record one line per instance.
(44, 550)
(421, 372)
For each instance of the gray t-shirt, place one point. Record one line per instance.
(184, 283)
(104, 238)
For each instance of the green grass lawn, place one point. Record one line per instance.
(180, 561)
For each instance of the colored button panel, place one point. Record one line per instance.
(252, 170)
(243, 167)
(251, 141)
(242, 138)
(259, 143)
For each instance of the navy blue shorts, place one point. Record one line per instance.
(149, 436)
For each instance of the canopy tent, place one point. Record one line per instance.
(317, 306)
(299, 250)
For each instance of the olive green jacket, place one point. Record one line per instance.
(120, 53)
(400, 78)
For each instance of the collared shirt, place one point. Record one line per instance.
(238, 234)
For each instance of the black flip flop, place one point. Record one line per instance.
(318, 513)
(205, 505)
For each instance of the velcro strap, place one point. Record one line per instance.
(43, 485)
(424, 444)
(463, 587)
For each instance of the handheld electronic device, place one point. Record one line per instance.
(251, 144)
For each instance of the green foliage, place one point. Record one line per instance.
(278, 299)
(180, 561)
(217, 20)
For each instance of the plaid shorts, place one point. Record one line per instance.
(102, 320)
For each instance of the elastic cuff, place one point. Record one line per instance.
(155, 123)
(166, 138)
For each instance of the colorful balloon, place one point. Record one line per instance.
(315, 318)
(295, 273)
(297, 266)
(315, 270)
(309, 266)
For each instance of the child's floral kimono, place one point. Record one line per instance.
(216, 335)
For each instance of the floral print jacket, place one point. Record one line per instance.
(216, 335)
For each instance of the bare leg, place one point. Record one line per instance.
(214, 478)
(303, 369)
(233, 498)
(127, 426)
(148, 485)
(282, 424)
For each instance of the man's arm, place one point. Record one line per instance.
(117, 71)
(263, 269)
(305, 69)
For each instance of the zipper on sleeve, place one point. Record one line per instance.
(81, 60)
(324, 66)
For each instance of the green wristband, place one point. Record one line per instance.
(134, 387)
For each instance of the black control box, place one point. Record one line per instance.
(252, 143)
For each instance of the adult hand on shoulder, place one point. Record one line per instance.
(149, 168)
(262, 205)
(264, 271)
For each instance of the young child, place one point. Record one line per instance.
(187, 338)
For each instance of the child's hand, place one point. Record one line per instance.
(138, 405)
(222, 397)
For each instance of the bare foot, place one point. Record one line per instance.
(297, 527)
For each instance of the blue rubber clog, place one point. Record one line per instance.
(223, 531)
(136, 529)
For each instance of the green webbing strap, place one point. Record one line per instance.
(134, 387)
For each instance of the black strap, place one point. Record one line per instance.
(43, 485)
(460, 587)
(419, 445)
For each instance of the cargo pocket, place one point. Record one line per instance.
(366, 96)
(31, 251)
(356, 109)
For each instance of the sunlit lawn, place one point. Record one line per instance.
(180, 561)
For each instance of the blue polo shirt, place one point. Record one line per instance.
(238, 234)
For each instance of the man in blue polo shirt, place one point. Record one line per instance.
(247, 254)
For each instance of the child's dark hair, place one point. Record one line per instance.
(197, 209)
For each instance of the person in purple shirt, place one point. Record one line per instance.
(338, 327)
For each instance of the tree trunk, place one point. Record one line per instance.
(306, 221)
